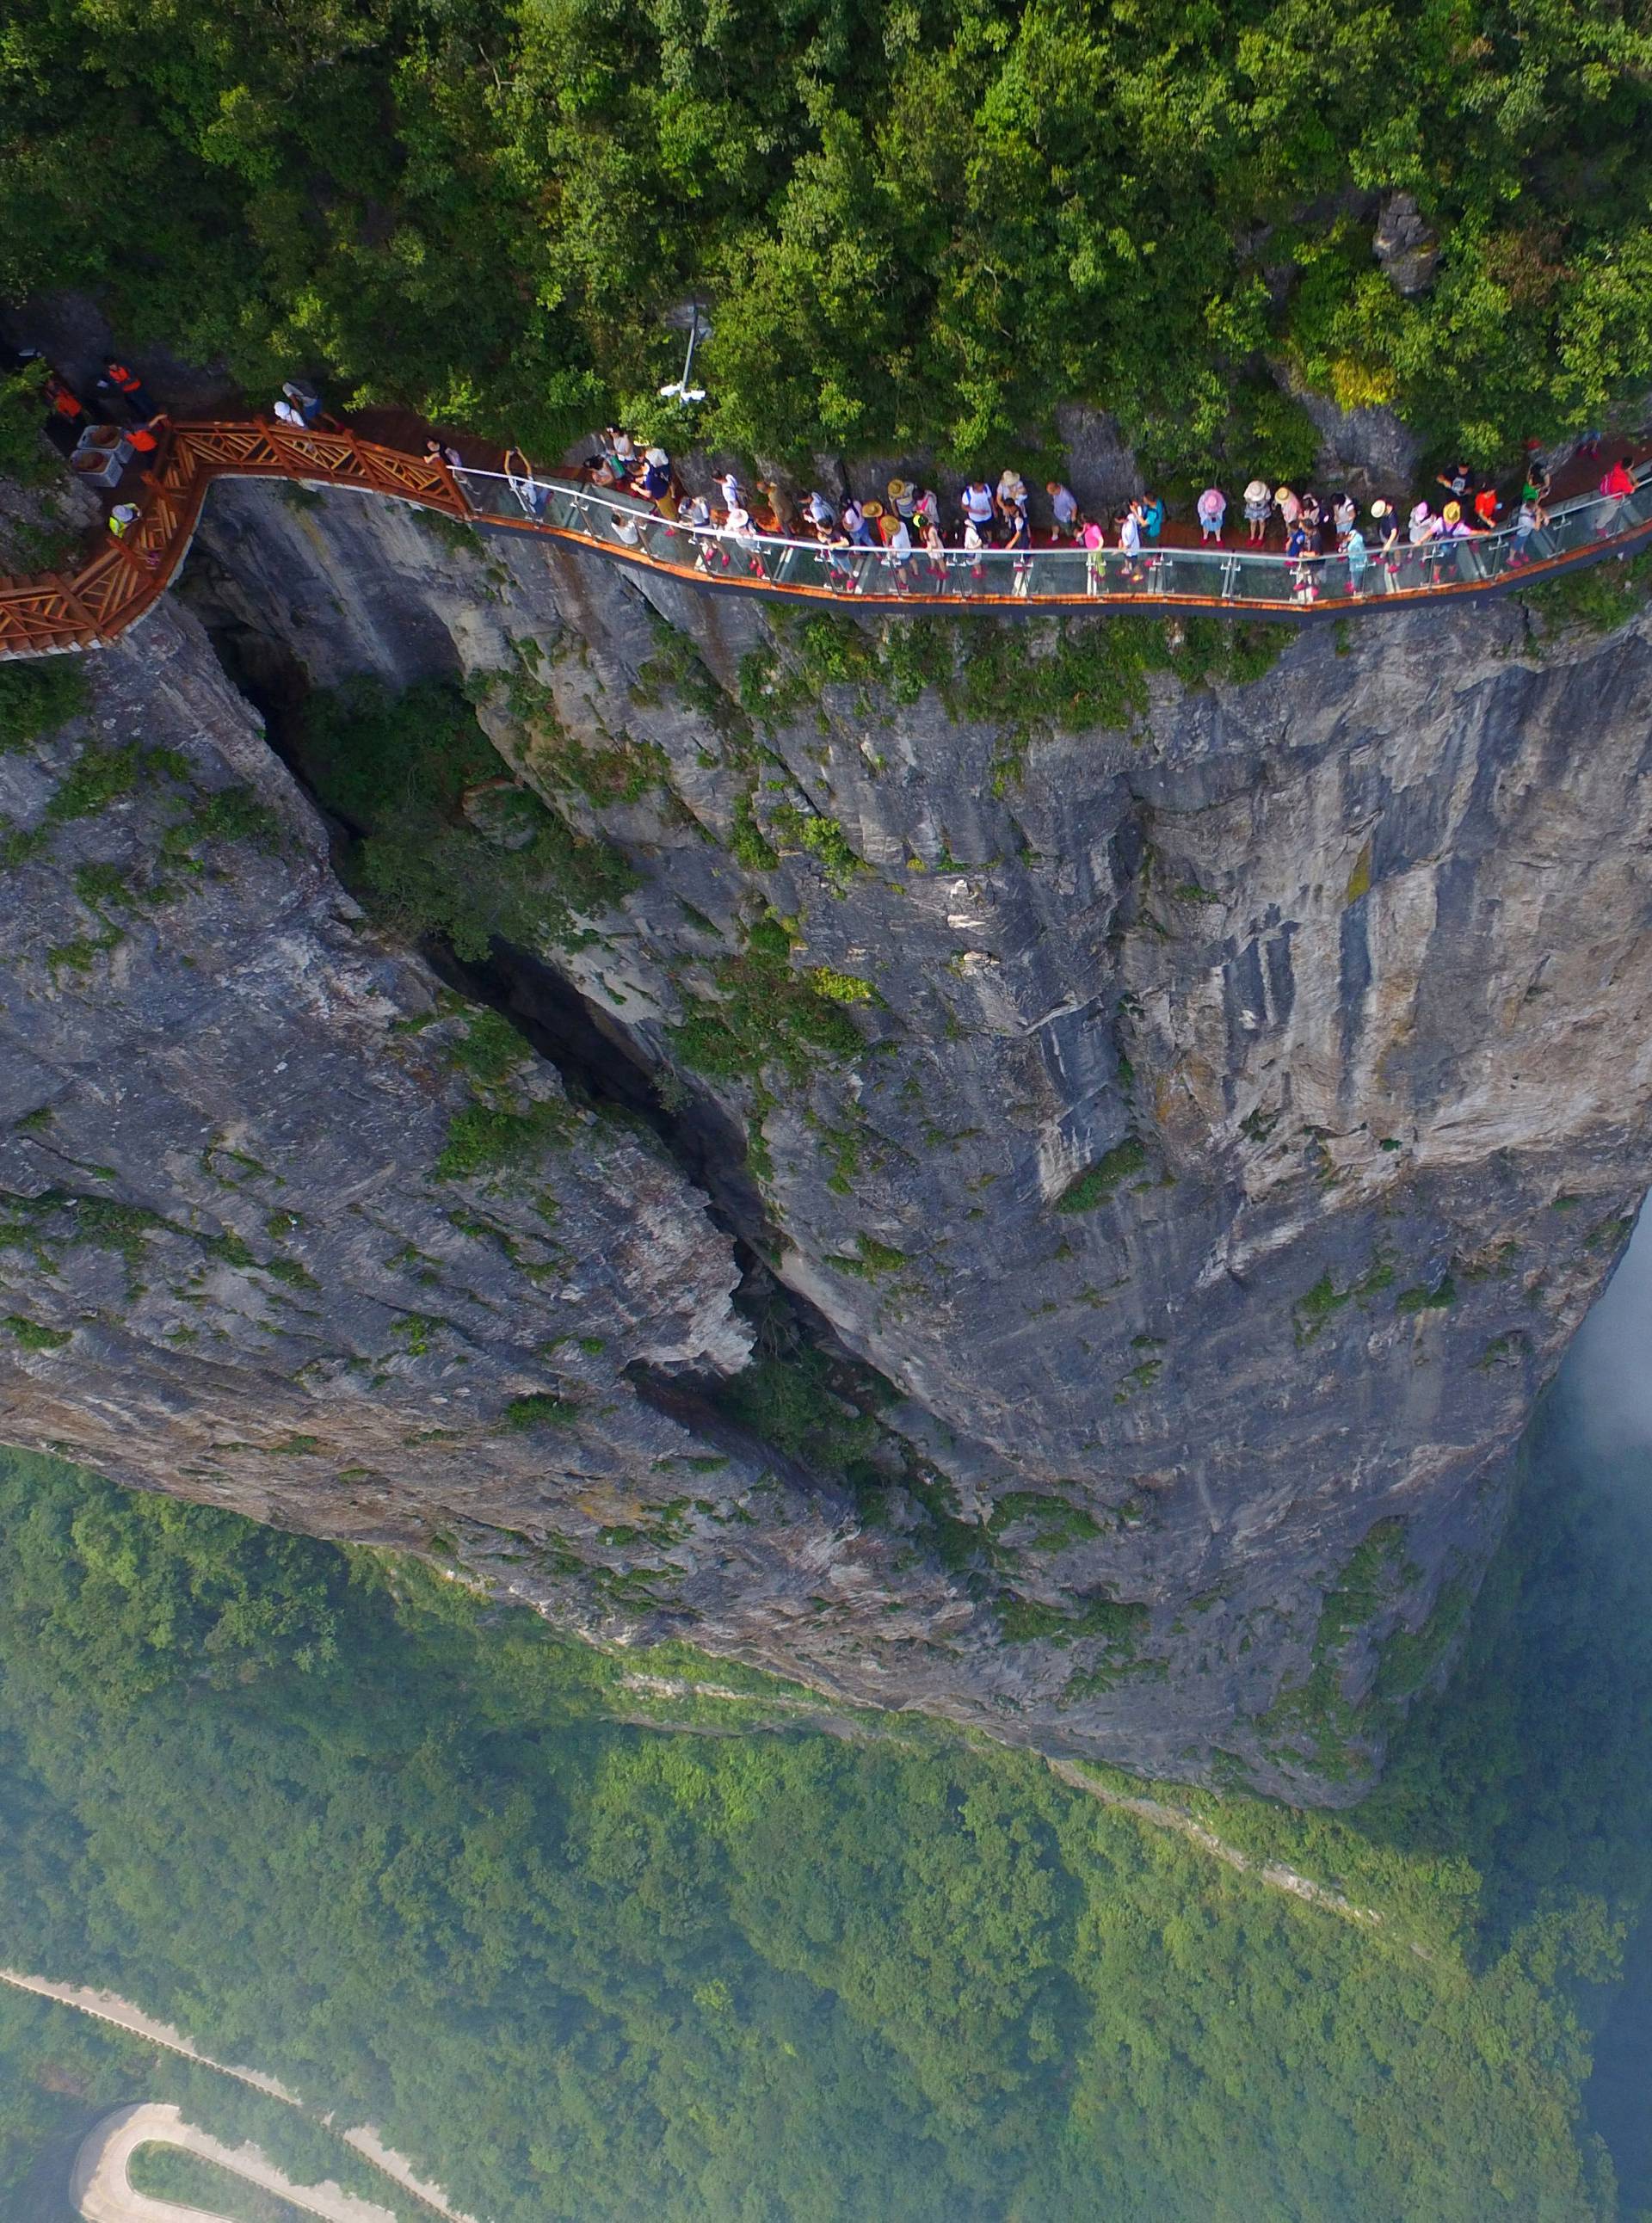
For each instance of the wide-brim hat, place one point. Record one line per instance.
(896, 488)
(1453, 512)
(1255, 491)
(1283, 493)
(1382, 509)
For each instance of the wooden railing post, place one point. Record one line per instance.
(67, 589)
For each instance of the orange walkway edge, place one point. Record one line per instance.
(52, 614)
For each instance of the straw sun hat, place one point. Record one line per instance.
(1255, 491)
(1382, 509)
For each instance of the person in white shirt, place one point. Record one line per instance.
(977, 505)
(738, 523)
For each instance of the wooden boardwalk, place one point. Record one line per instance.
(124, 577)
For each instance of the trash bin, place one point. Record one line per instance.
(103, 453)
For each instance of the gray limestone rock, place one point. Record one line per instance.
(1405, 246)
(1211, 1107)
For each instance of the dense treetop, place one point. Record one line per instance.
(913, 220)
(342, 1822)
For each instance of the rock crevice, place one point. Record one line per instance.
(1195, 1096)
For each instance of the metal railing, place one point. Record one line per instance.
(122, 578)
(1236, 577)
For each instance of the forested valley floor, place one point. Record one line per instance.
(431, 1865)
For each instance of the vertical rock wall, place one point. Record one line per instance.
(1209, 1100)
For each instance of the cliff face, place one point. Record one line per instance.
(1210, 1100)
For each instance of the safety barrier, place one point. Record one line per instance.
(127, 576)
(1236, 581)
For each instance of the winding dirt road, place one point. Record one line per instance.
(110, 2008)
(102, 2192)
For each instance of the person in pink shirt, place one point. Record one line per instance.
(1213, 513)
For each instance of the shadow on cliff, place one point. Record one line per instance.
(1535, 1762)
(807, 1419)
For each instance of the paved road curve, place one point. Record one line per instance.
(102, 2193)
(107, 2007)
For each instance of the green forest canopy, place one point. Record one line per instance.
(914, 221)
(410, 1855)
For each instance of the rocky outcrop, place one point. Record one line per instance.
(1209, 1090)
(1404, 245)
(288, 1228)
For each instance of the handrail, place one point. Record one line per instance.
(52, 614)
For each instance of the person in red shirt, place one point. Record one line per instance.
(1620, 479)
(1486, 506)
(1615, 489)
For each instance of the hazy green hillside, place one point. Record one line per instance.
(345, 1823)
(915, 219)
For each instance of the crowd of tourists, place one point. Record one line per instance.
(920, 542)
(909, 539)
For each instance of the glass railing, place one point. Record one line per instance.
(632, 526)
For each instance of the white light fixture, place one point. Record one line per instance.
(699, 327)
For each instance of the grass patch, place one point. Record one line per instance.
(539, 1409)
(37, 696)
(1325, 1299)
(769, 1015)
(1058, 1524)
(32, 1335)
(1098, 1183)
(229, 814)
(1029, 1621)
(869, 1261)
(1313, 1718)
(491, 1138)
